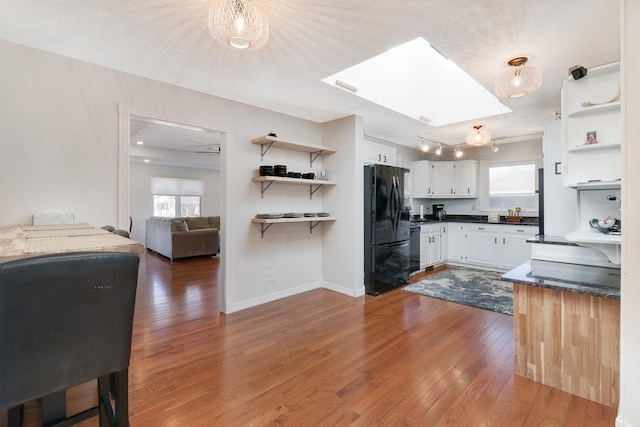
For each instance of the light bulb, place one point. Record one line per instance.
(425, 148)
(240, 24)
(458, 152)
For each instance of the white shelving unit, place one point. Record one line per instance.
(268, 142)
(592, 104)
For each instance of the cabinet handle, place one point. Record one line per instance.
(451, 190)
(468, 190)
(496, 239)
(504, 241)
(520, 231)
(480, 228)
(428, 191)
(385, 159)
(379, 157)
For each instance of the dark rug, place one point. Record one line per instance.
(477, 288)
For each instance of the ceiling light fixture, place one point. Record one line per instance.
(439, 149)
(494, 147)
(423, 145)
(519, 80)
(478, 136)
(458, 152)
(241, 24)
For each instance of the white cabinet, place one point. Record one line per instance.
(592, 105)
(489, 245)
(482, 246)
(421, 179)
(443, 179)
(455, 179)
(457, 242)
(381, 154)
(466, 179)
(431, 244)
(515, 249)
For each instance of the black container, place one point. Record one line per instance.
(266, 170)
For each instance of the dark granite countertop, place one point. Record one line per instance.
(551, 240)
(575, 278)
(475, 219)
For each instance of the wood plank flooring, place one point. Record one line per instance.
(323, 359)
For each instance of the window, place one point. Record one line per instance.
(512, 185)
(176, 206)
(175, 197)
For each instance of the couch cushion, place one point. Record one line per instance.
(179, 224)
(214, 222)
(197, 222)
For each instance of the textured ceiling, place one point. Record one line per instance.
(168, 40)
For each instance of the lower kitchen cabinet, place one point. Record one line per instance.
(490, 245)
(432, 248)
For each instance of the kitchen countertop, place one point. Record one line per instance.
(475, 219)
(551, 240)
(575, 278)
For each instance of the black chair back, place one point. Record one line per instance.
(64, 319)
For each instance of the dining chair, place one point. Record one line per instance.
(66, 319)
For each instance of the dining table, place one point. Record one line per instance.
(24, 241)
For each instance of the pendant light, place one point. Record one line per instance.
(519, 79)
(478, 136)
(241, 24)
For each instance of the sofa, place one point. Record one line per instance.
(183, 237)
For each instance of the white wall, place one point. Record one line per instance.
(141, 204)
(629, 409)
(60, 149)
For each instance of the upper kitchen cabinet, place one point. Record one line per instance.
(591, 128)
(380, 154)
(421, 181)
(455, 179)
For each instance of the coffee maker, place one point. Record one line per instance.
(439, 212)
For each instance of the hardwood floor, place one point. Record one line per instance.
(322, 358)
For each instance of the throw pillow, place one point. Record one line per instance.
(179, 224)
(197, 222)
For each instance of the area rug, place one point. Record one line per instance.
(477, 288)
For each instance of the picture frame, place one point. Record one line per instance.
(592, 138)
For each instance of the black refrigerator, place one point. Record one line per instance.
(387, 262)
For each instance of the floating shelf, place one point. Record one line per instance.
(266, 181)
(596, 109)
(266, 142)
(265, 224)
(593, 147)
(605, 243)
(597, 185)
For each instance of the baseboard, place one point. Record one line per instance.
(232, 307)
(343, 290)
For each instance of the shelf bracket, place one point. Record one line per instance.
(312, 190)
(263, 228)
(264, 148)
(313, 157)
(263, 188)
(312, 226)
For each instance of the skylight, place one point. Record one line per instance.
(416, 80)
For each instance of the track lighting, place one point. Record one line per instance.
(458, 152)
(439, 150)
(494, 147)
(423, 145)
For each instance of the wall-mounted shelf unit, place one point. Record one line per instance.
(591, 107)
(267, 142)
(265, 224)
(597, 185)
(314, 184)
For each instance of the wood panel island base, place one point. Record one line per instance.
(568, 340)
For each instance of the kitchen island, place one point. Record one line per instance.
(566, 320)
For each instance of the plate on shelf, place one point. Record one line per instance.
(293, 215)
(309, 214)
(323, 214)
(274, 216)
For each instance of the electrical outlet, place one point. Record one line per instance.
(271, 276)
